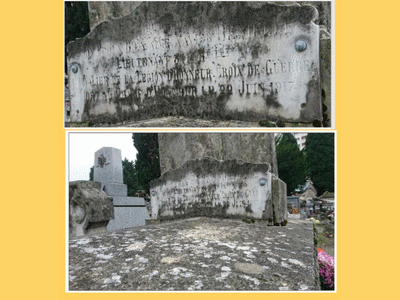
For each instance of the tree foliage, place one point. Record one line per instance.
(129, 175)
(76, 22)
(320, 150)
(91, 174)
(291, 162)
(147, 164)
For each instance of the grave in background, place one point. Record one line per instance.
(129, 211)
(218, 180)
(216, 60)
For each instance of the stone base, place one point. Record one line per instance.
(129, 212)
(116, 189)
(128, 201)
(199, 254)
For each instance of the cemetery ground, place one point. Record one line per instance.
(324, 240)
(198, 254)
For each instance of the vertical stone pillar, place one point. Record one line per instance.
(108, 171)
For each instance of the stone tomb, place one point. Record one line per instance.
(218, 60)
(129, 211)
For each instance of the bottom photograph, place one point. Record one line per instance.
(200, 211)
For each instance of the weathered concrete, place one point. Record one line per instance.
(101, 11)
(199, 254)
(213, 188)
(178, 148)
(227, 60)
(90, 209)
(326, 74)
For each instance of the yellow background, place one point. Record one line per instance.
(33, 154)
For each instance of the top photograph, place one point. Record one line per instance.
(198, 64)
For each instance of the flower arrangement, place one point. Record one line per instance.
(314, 220)
(326, 270)
(331, 217)
(294, 210)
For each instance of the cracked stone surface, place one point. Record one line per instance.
(199, 254)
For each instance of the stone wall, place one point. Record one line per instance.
(178, 148)
(213, 188)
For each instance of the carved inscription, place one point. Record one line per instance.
(211, 194)
(229, 69)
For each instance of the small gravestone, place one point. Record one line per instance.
(129, 211)
(218, 60)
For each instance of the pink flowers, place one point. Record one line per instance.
(326, 270)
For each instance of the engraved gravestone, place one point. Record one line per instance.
(129, 211)
(212, 188)
(219, 60)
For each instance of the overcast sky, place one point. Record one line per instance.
(82, 147)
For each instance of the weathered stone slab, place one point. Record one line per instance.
(90, 209)
(279, 203)
(220, 60)
(177, 148)
(212, 188)
(198, 254)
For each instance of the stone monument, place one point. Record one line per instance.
(217, 60)
(214, 181)
(129, 211)
(90, 209)
(177, 148)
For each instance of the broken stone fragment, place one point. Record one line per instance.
(90, 209)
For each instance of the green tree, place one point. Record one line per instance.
(291, 161)
(129, 175)
(91, 174)
(76, 22)
(147, 164)
(320, 150)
